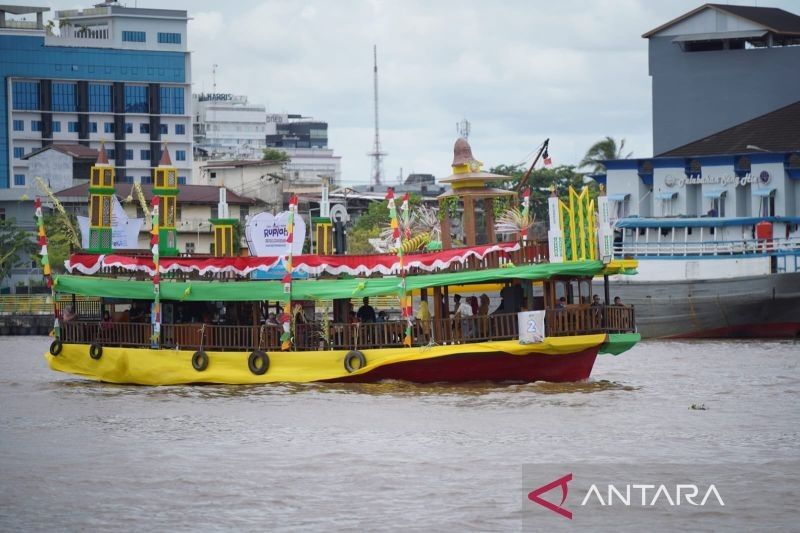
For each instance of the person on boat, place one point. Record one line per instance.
(423, 316)
(473, 303)
(366, 313)
(596, 301)
(562, 303)
(69, 314)
(483, 312)
(464, 313)
(137, 313)
(382, 317)
(618, 301)
(271, 320)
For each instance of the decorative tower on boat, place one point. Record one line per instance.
(165, 186)
(101, 192)
(224, 228)
(469, 191)
(323, 232)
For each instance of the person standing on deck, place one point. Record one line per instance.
(366, 313)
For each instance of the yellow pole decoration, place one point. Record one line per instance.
(46, 264)
(72, 235)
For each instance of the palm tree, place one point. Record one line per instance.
(603, 150)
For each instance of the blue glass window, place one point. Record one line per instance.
(19, 125)
(147, 180)
(26, 94)
(169, 38)
(100, 98)
(180, 129)
(56, 126)
(128, 155)
(111, 153)
(127, 179)
(144, 155)
(128, 127)
(36, 125)
(136, 99)
(72, 127)
(144, 128)
(19, 152)
(63, 97)
(108, 127)
(93, 127)
(19, 179)
(171, 100)
(181, 180)
(134, 36)
(180, 155)
(163, 128)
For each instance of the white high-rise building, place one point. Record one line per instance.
(227, 126)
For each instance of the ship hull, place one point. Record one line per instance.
(765, 306)
(557, 359)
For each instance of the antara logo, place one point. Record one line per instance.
(644, 495)
(534, 496)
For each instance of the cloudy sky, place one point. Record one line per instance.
(519, 70)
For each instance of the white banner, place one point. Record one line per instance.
(531, 326)
(266, 234)
(124, 230)
(605, 235)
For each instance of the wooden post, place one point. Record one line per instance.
(447, 242)
(488, 216)
(468, 220)
(438, 314)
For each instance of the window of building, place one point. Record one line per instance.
(36, 125)
(180, 155)
(111, 153)
(134, 36)
(2, 213)
(128, 154)
(144, 155)
(19, 180)
(169, 38)
(100, 97)
(212, 175)
(171, 100)
(72, 127)
(144, 127)
(108, 127)
(181, 180)
(25, 95)
(146, 180)
(164, 130)
(93, 127)
(215, 211)
(136, 99)
(129, 127)
(56, 126)
(63, 97)
(19, 152)
(189, 247)
(768, 205)
(19, 125)
(244, 211)
(180, 129)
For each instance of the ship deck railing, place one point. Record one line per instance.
(708, 248)
(572, 320)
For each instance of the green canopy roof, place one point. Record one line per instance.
(309, 289)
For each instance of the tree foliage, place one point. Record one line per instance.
(541, 181)
(15, 246)
(58, 242)
(370, 222)
(603, 149)
(278, 156)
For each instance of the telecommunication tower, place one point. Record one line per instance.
(376, 154)
(463, 128)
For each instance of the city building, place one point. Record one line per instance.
(720, 65)
(305, 141)
(105, 73)
(114, 74)
(227, 126)
(260, 179)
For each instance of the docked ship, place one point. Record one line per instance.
(159, 317)
(717, 242)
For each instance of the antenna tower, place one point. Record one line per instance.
(376, 154)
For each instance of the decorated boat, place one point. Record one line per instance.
(162, 318)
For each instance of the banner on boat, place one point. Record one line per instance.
(124, 230)
(266, 235)
(531, 326)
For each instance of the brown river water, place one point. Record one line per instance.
(76, 455)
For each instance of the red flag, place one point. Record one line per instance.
(546, 159)
(389, 193)
(287, 278)
(37, 203)
(155, 201)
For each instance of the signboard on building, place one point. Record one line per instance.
(266, 234)
(737, 181)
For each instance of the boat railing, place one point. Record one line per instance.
(577, 320)
(708, 248)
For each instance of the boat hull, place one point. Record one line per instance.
(557, 359)
(765, 306)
